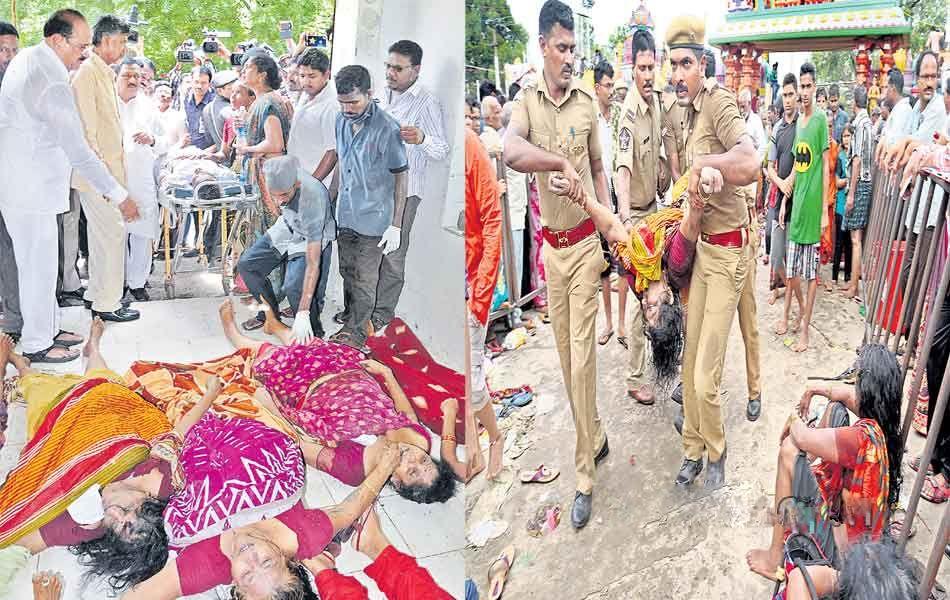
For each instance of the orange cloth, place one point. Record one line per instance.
(827, 247)
(482, 227)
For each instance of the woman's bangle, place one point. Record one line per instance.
(448, 437)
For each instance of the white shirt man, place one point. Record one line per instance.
(42, 141)
(312, 131)
(420, 116)
(143, 142)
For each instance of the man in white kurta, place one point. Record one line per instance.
(143, 142)
(41, 141)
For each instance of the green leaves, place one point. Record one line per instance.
(488, 22)
(172, 21)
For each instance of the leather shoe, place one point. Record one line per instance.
(87, 304)
(122, 315)
(139, 294)
(754, 408)
(677, 395)
(644, 395)
(580, 512)
(689, 471)
(678, 422)
(602, 454)
(716, 474)
(340, 317)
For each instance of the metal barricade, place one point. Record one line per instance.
(893, 296)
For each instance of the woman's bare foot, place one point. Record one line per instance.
(797, 325)
(96, 329)
(781, 328)
(802, 343)
(273, 326)
(773, 297)
(47, 586)
(849, 292)
(495, 455)
(6, 349)
(764, 562)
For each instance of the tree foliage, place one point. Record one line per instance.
(172, 21)
(482, 17)
(837, 65)
(923, 16)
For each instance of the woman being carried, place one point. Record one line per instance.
(859, 475)
(657, 253)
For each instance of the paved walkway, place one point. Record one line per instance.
(648, 538)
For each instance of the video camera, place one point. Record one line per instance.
(237, 57)
(186, 52)
(210, 44)
(134, 22)
(316, 41)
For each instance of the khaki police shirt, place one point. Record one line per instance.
(640, 147)
(674, 116)
(713, 125)
(568, 128)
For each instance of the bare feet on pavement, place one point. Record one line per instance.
(47, 586)
(763, 562)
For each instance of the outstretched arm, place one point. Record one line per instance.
(212, 389)
(345, 513)
(164, 585)
(607, 223)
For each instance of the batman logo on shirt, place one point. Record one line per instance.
(803, 157)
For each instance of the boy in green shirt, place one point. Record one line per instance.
(804, 231)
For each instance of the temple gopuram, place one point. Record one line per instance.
(754, 27)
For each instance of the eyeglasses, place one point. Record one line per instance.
(11, 50)
(80, 47)
(396, 68)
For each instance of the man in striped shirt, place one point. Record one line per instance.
(421, 128)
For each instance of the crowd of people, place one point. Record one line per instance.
(689, 187)
(196, 472)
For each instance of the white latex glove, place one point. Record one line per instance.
(302, 330)
(390, 241)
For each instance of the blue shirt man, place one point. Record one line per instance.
(201, 96)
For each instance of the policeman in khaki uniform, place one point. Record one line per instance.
(554, 130)
(716, 140)
(641, 174)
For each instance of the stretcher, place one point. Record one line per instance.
(230, 197)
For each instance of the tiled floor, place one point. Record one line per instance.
(188, 330)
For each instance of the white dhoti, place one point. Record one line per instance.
(36, 239)
(141, 232)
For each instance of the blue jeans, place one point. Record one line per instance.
(262, 258)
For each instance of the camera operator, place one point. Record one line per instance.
(215, 113)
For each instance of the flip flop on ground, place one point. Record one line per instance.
(498, 572)
(540, 475)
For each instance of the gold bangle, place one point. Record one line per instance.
(448, 437)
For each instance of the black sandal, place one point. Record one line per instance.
(43, 356)
(65, 344)
(252, 324)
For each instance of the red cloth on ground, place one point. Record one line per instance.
(400, 577)
(482, 227)
(427, 383)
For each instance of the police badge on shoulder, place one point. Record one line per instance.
(623, 139)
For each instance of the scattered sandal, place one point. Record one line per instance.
(498, 577)
(933, 492)
(915, 465)
(604, 338)
(541, 475)
(622, 340)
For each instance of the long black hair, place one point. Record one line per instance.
(440, 490)
(133, 559)
(876, 571)
(299, 587)
(268, 66)
(879, 398)
(666, 339)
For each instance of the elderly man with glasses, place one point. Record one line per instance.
(42, 141)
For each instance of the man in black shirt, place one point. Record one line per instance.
(781, 160)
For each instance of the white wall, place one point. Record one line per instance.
(433, 300)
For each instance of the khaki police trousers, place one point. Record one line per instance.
(719, 275)
(748, 323)
(573, 277)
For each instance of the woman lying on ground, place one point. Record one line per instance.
(869, 571)
(207, 475)
(657, 253)
(266, 559)
(859, 475)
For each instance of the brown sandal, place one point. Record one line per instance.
(500, 576)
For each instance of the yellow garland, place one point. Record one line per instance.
(635, 255)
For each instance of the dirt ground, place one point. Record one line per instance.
(648, 538)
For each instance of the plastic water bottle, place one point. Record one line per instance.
(242, 140)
